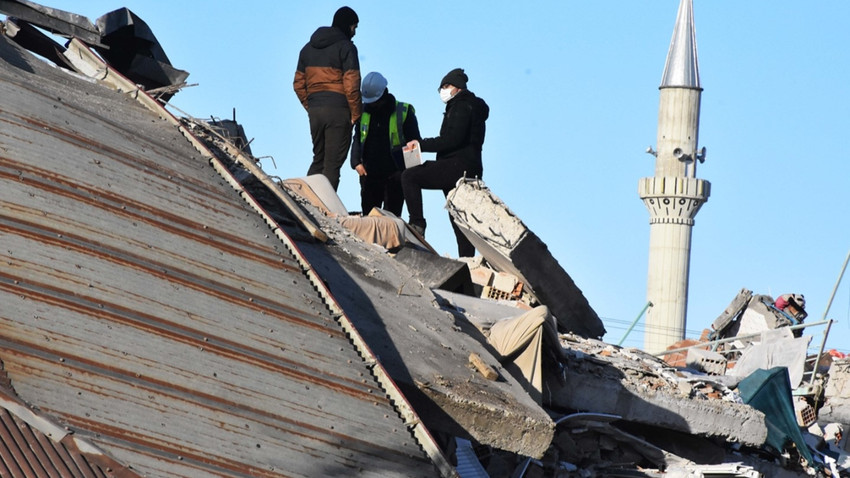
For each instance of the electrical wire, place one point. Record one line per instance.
(618, 325)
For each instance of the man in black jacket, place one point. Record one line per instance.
(327, 82)
(458, 149)
(385, 126)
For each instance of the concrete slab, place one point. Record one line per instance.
(509, 246)
(425, 349)
(603, 379)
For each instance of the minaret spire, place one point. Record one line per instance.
(682, 67)
(674, 195)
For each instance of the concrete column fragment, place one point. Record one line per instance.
(509, 246)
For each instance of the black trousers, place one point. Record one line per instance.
(381, 189)
(442, 175)
(330, 127)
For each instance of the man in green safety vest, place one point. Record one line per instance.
(376, 150)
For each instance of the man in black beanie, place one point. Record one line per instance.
(327, 82)
(458, 149)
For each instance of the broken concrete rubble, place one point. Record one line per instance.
(689, 419)
(649, 399)
(421, 347)
(649, 404)
(643, 389)
(756, 333)
(750, 314)
(687, 445)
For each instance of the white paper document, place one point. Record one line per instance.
(412, 156)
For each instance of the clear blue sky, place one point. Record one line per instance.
(573, 91)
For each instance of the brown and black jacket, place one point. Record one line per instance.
(328, 72)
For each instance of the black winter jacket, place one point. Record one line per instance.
(462, 132)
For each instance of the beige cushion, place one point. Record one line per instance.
(522, 337)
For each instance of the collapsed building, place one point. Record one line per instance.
(169, 309)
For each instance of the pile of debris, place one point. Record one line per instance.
(757, 333)
(616, 411)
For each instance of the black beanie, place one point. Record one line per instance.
(456, 78)
(344, 18)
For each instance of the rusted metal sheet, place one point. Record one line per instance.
(146, 307)
(32, 446)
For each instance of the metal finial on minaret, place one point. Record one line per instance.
(674, 195)
(682, 67)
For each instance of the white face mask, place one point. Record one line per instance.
(446, 94)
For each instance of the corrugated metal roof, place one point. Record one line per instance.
(149, 309)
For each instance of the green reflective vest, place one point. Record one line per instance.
(397, 120)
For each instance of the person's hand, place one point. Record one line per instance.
(360, 169)
(413, 144)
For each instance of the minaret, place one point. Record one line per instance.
(674, 195)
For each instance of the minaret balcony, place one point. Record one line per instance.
(673, 200)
